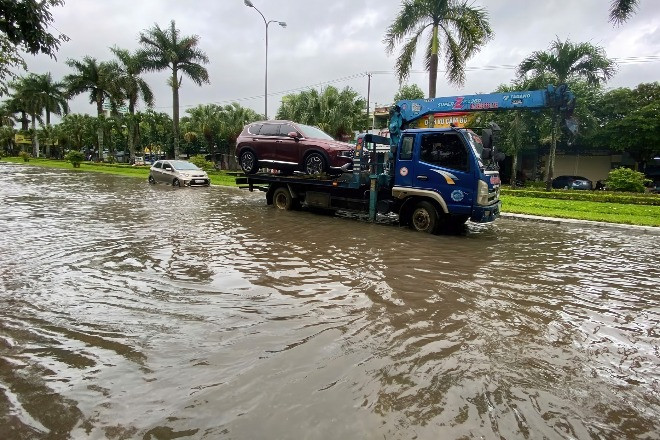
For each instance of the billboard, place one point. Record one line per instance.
(442, 120)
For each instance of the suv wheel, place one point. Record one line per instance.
(314, 164)
(248, 162)
(151, 179)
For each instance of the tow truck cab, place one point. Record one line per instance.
(447, 166)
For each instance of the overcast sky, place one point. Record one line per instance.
(330, 42)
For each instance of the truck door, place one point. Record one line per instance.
(404, 163)
(443, 165)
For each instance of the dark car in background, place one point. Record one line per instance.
(289, 146)
(572, 182)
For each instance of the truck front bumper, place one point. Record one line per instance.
(486, 214)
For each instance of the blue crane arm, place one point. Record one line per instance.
(552, 97)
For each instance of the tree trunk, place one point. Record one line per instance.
(175, 111)
(433, 70)
(550, 168)
(49, 141)
(99, 130)
(24, 121)
(514, 166)
(35, 137)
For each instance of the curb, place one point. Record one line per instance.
(570, 221)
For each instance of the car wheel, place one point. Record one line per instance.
(248, 162)
(314, 164)
(151, 179)
(176, 182)
(282, 199)
(424, 218)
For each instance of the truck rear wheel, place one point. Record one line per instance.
(282, 199)
(424, 218)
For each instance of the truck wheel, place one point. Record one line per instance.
(424, 218)
(314, 164)
(282, 199)
(248, 162)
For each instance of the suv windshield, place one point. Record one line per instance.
(183, 165)
(313, 132)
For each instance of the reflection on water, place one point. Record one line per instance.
(137, 311)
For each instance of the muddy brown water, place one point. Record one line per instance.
(150, 312)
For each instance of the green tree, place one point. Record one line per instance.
(166, 48)
(79, 130)
(457, 28)
(622, 10)
(233, 118)
(24, 28)
(564, 61)
(628, 121)
(338, 113)
(97, 79)
(205, 121)
(408, 91)
(28, 98)
(133, 88)
(52, 96)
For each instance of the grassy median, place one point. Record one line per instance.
(633, 213)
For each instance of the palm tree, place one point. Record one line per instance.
(52, 96)
(456, 26)
(621, 10)
(165, 48)
(133, 88)
(205, 120)
(338, 113)
(564, 61)
(28, 99)
(100, 80)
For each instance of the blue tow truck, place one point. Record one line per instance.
(431, 178)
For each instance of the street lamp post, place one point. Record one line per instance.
(249, 4)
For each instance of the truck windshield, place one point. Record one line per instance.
(314, 133)
(475, 143)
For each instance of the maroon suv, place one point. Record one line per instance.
(289, 146)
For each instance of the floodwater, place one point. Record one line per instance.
(130, 311)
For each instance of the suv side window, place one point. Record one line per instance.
(270, 130)
(254, 129)
(285, 129)
(445, 150)
(158, 164)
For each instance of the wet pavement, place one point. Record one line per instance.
(151, 312)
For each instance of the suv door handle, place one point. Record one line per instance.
(278, 142)
(422, 178)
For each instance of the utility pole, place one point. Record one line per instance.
(368, 93)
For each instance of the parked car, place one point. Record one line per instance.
(289, 146)
(572, 182)
(178, 173)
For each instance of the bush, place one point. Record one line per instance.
(201, 162)
(625, 179)
(25, 155)
(586, 196)
(75, 157)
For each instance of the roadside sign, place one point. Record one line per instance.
(22, 139)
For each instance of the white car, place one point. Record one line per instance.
(178, 173)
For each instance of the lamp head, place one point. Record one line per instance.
(248, 3)
(281, 23)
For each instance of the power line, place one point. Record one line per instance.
(624, 61)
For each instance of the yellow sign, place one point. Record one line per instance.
(22, 139)
(442, 120)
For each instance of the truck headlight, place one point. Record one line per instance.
(482, 193)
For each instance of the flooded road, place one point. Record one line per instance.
(130, 311)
